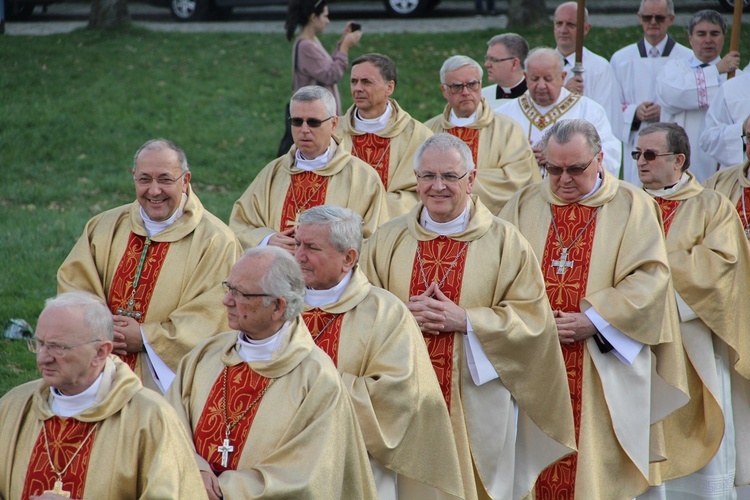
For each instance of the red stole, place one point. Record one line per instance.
(668, 208)
(565, 292)
(306, 190)
(742, 209)
(243, 387)
(121, 288)
(470, 136)
(437, 257)
(375, 151)
(65, 436)
(325, 329)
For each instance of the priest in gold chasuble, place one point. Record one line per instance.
(501, 151)
(88, 428)
(158, 263)
(317, 170)
(378, 349)
(378, 131)
(710, 263)
(474, 286)
(602, 253)
(268, 412)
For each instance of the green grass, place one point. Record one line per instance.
(75, 107)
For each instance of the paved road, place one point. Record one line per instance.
(454, 16)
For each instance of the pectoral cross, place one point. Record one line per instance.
(129, 312)
(563, 262)
(58, 489)
(294, 223)
(225, 449)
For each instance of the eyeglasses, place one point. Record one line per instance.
(56, 350)
(648, 155)
(311, 122)
(744, 139)
(457, 88)
(571, 171)
(494, 60)
(145, 180)
(236, 294)
(446, 178)
(650, 19)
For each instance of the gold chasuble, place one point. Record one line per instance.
(711, 273)
(628, 283)
(496, 279)
(299, 437)
(504, 160)
(565, 281)
(733, 183)
(395, 164)
(344, 181)
(379, 352)
(129, 444)
(375, 151)
(179, 284)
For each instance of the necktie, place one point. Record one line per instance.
(566, 62)
(653, 52)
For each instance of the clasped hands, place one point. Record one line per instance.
(573, 327)
(435, 313)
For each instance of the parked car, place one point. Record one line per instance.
(19, 10)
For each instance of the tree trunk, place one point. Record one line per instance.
(527, 14)
(108, 14)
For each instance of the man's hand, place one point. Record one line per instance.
(127, 335)
(648, 112)
(211, 483)
(575, 84)
(541, 158)
(573, 327)
(729, 62)
(284, 240)
(436, 313)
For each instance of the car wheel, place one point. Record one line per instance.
(189, 10)
(406, 8)
(18, 11)
(728, 5)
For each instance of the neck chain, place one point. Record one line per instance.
(59, 483)
(330, 321)
(744, 214)
(671, 214)
(382, 157)
(131, 302)
(562, 264)
(447, 271)
(299, 208)
(226, 448)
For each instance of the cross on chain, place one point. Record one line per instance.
(225, 449)
(294, 223)
(58, 490)
(129, 312)
(563, 262)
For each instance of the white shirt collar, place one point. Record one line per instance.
(659, 46)
(372, 125)
(695, 62)
(260, 350)
(321, 161)
(455, 226)
(155, 227)
(319, 298)
(67, 406)
(462, 122)
(597, 185)
(662, 192)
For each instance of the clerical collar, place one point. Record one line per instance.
(667, 190)
(321, 161)
(455, 226)
(320, 298)
(597, 185)
(67, 406)
(516, 90)
(372, 125)
(462, 122)
(260, 350)
(154, 227)
(694, 62)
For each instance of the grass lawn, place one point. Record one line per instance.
(75, 108)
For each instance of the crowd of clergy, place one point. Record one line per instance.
(542, 292)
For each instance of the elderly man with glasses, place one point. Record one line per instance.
(472, 283)
(88, 428)
(318, 170)
(636, 67)
(157, 263)
(502, 155)
(268, 412)
(602, 254)
(504, 60)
